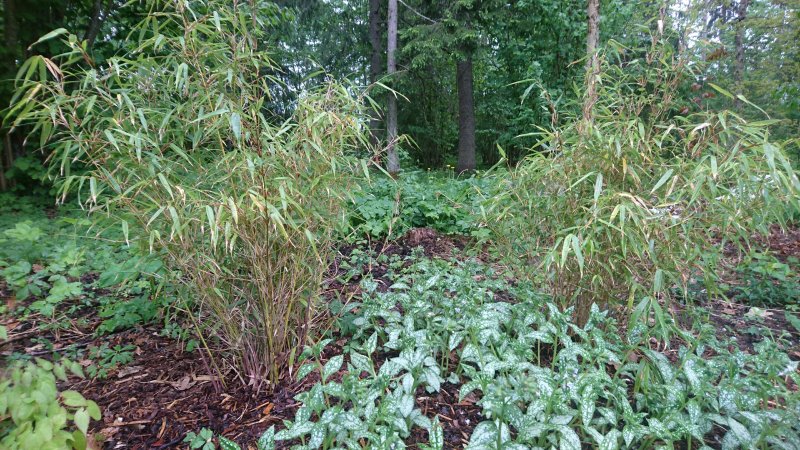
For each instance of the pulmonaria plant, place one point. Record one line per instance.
(541, 380)
(362, 403)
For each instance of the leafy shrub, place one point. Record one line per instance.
(119, 315)
(388, 207)
(33, 414)
(182, 152)
(44, 259)
(630, 205)
(541, 381)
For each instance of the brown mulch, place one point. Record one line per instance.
(458, 418)
(166, 392)
(163, 393)
(782, 243)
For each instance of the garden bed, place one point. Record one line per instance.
(163, 392)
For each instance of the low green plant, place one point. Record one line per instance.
(33, 414)
(105, 359)
(387, 207)
(767, 282)
(43, 257)
(204, 440)
(618, 210)
(120, 314)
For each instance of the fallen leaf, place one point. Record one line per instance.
(130, 370)
(268, 409)
(204, 378)
(109, 432)
(758, 312)
(184, 383)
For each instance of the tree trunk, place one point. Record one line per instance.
(98, 17)
(4, 184)
(592, 61)
(738, 40)
(393, 162)
(466, 116)
(375, 63)
(11, 38)
(11, 27)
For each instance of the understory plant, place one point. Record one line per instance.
(33, 414)
(180, 150)
(624, 207)
(387, 207)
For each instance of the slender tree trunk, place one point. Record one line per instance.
(98, 17)
(592, 61)
(393, 162)
(466, 116)
(11, 38)
(11, 27)
(738, 40)
(3, 182)
(375, 62)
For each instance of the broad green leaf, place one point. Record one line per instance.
(304, 370)
(73, 398)
(332, 366)
(81, 420)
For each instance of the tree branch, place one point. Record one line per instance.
(417, 12)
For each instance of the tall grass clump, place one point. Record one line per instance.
(174, 141)
(638, 202)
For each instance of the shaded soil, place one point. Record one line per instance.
(458, 418)
(734, 317)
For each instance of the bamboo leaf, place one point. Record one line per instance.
(662, 180)
(53, 34)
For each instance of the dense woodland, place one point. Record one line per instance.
(481, 224)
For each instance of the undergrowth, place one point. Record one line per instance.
(541, 380)
(387, 207)
(45, 258)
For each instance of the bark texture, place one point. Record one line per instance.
(466, 117)
(99, 15)
(375, 63)
(392, 160)
(738, 40)
(11, 38)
